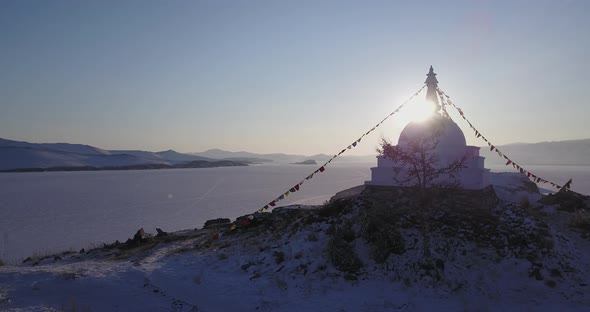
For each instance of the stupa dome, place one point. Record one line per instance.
(444, 130)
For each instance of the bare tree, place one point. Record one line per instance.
(418, 166)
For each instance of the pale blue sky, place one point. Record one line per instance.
(286, 76)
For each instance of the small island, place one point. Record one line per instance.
(306, 162)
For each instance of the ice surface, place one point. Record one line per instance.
(46, 212)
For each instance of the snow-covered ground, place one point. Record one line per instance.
(283, 264)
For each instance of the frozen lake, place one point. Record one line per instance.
(51, 211)
(47, 212)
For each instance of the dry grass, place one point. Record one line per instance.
(312, 237)
(525, 204)
(298, 255)
(581, 220)
(73, 306)
(380, 230)
(341, 249)
(222, 256)
(279, 257)
(335, 208)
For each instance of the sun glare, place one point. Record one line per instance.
(420, 111)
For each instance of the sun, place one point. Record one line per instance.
(419, 111)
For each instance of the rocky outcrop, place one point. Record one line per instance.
(567, 200)
(217, 223)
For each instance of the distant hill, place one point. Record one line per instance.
(306, 162)
(61, 147)
(192, 164)
(177, 157)
(277, 157)
(571, 152)
(25, 156)
(249, 160)
(152, 156)
(41, 157)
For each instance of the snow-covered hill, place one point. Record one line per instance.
(381, 250)
(26, 157)
(177, 157)
(62, 147)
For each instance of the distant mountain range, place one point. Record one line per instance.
(571, 152)
(276, 157)
(25, 156)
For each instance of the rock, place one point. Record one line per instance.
(161, 233)
(352, 192)
(215, 223)
(139, 236)
(567, 200)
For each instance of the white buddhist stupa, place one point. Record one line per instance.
(450, 147)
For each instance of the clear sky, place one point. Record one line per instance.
(286, 76)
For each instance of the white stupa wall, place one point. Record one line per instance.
(473, 176)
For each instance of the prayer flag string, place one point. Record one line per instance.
(535, 178)
(322, 168)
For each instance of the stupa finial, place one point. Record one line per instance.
(431, 85)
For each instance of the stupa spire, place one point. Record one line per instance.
(431, 85)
